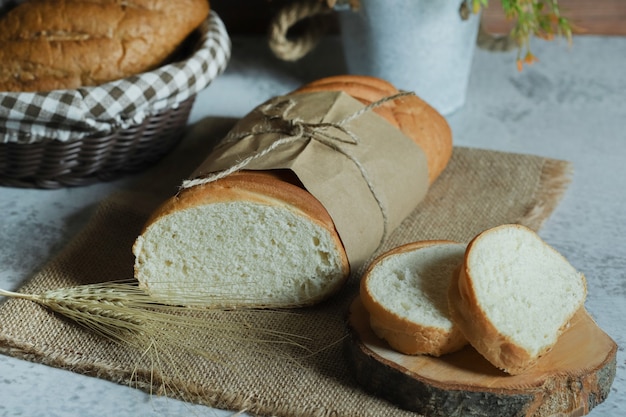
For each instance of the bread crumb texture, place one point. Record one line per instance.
(525, 288)
(238, 253)
(414, 284)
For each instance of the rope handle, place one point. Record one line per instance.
(313, 13)
(316, 12)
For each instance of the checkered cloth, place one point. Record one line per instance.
(67, 115)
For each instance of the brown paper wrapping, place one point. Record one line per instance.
(368, 175)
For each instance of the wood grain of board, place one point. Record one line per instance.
(570, 380)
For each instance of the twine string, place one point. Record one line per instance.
(296, 129)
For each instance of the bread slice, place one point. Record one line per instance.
(514, 296)
(405, 293)
(243, 242)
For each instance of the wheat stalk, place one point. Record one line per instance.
(124, 313)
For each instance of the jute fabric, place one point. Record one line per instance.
(479, 189)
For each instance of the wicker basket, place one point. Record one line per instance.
(106, 155)
(55, 164)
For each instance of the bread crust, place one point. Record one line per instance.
(466, 312)
(65, 44)
(412, 115)
(403, 335)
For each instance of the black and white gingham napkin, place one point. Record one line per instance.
(66, 115)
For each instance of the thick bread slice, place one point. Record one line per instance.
(405, 292)
(514, 296)
(64, 44)
(244, 240)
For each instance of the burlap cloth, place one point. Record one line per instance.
(478, 190)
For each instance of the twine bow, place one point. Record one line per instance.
(294, 130)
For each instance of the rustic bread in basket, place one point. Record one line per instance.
(63, 44)
(260, 238)
(66, 136)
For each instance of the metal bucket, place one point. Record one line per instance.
(423, 46)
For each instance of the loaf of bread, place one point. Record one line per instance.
(412, 115)
(258, 238)
(514, 295)
(63, 44)
(405, 293)
(246, 240)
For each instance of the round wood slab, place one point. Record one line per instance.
(570, 380)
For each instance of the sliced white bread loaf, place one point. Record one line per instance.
(246, 243)
(405, 293)
(514, 296)
(258, 238)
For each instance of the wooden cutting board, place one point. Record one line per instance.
(570, 380)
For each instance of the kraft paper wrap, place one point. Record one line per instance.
(366, 173)
(478, 189)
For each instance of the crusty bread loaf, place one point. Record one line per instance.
(245, 242)
(63, 44)
(514, 296)
(405, 293)
(297, 262)
(412, 115)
